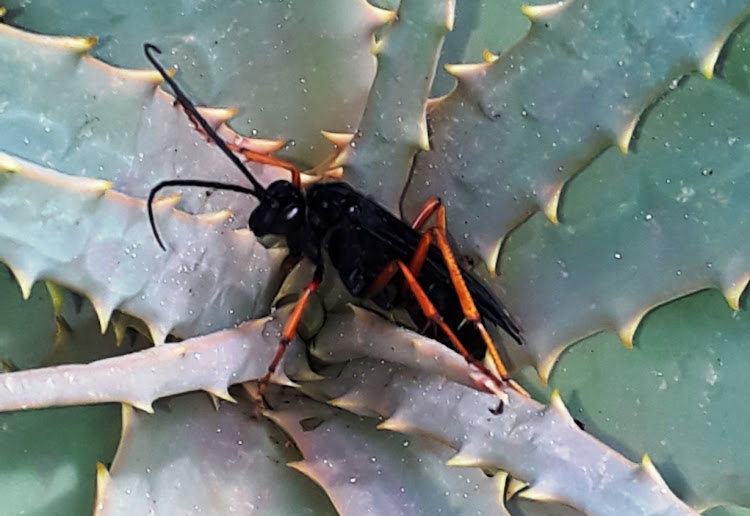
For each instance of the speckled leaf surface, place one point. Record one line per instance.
(98, 241)
(369, 471)
(172, 149)
(678, 395)
(524, 441)
(515, 130)
(664, 221)
(109, 123)
(190, 458)
(258, 57)
(49, 455)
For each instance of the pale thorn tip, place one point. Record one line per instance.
(537, 12)
(513, 487)
(103, 313)
(464, 71)
(222, 394)
(338, 139)
(491, 256)
(733, 293)
(218, 115)
(167, 201)
(627, 332)
(143, 406)
(379, 15)
(489, 57)
(81, 45)
(8, 164)
(552, 204)
(626, 135)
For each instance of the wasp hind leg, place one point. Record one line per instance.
(437, 235)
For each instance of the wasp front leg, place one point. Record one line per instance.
(290, 330)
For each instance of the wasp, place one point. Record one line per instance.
(377, 256)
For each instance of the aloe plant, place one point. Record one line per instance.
(591, 171)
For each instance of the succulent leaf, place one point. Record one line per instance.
(576, 85)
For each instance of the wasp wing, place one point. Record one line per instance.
(369, 238)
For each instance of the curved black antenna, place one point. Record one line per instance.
(258, 191)
(186, 182)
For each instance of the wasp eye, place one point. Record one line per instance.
(291, 213)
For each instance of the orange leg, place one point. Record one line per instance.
(470, 309)
(257, 157)
(433, 316)
(290, 329)
(437, 235)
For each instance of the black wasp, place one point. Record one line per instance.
(377, 256)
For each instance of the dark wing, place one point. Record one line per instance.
(370, 237)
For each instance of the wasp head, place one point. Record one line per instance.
(281, 211)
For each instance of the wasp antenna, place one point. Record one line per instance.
(150, 206)
(258, 190)
(187, 182)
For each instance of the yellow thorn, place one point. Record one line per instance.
(338, 139)
(537, 12)
(552, 203)
(98, 186)
(145, 407)
(168, 201)
(345, 403)
(216, 217)
(491, 258)
(623, 140)
(536, 494)
(218, 115)
(462, 71)
(222, 394)
(303, 467)
(489, 57)
(424, 136)
(8, 164)
(158, 336)
(82, 45)
(259, 145)
(393, 425)
(451, 20)
(627, 332)
(708, 63)
(463, 461)
(544, 368)
(649, 469)
(103, 479)
(733, 293)
(120, 328)
(513, 487)
(149, 76)
(556, 402)
(56, 294)
(379, 16)
(24, 282)
(127, 417)
(376, 48)
(103, 313)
